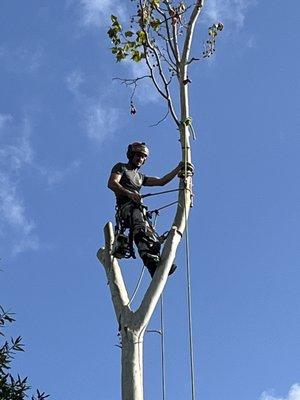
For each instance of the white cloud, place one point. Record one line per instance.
(4, 119)
(101, 121)
(145, 92)
(97, 12)
(74, 81)
(13, 215)
(98, 117)
(16, 154)
(233, 11)
(11, 205)
(55, 176)
(21, 59)
(293, 394)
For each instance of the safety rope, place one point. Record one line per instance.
(157, 210)
(190, 321)
(137, 286)
(163, 207)
(162, 341)
(189, 290)
(157, 193)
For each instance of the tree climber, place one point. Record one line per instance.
(126, 181)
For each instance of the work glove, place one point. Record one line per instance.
(190, 169)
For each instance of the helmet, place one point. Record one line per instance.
(137, 147)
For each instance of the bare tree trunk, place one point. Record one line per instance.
(132, 364)
(132, 325)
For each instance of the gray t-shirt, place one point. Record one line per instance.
(131, 180)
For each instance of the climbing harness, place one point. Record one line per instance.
(123, 244)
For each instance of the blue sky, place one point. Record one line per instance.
(64, 122)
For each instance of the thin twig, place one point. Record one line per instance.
(161, 120)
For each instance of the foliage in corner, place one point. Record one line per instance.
(12, 388)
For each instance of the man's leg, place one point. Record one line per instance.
(145, 237)
(146, 240)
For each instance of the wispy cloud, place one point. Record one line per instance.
(293, 394)
(55, 176)
(14, 217)
(21, 59)
(101, 121)
(99, 118)
(233, 11)
(145, 92)
(74, 81)
(97, 12)
(13, 214)
(4, 119)
(16, 154)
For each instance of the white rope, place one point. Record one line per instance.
(162, 341)
(189, 289)
(137, 286)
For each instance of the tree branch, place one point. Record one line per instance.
(170, 39)
(164, 95)
(174, 37)
(117, 287)
(190, 30)
(161, 120)
(161, 73)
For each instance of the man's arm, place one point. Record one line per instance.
(114, 185)
(154, 181)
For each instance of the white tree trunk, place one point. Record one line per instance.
(132, 325)
(132, 364)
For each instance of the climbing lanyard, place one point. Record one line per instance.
(163, 192)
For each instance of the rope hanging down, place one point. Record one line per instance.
(188, 278)
(162, 341)
(137, 286)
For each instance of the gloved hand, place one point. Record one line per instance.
(189, 166)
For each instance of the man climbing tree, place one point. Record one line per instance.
(126, 181)
(158, 35)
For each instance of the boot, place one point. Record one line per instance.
(151, 262)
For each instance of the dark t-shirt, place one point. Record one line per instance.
(131, 180)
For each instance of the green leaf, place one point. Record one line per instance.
(155, 24)
(128, 34)
(141, 36)
(155, 3)
(113, 18)
(136, 55)
(121, 55)
(112, 33)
